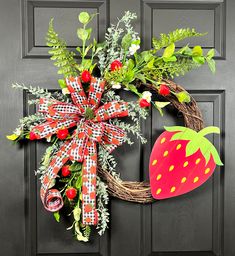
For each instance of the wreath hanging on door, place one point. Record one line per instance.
(87, 120)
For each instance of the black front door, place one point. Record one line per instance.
(200, 223)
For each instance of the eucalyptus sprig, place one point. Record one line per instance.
(84, 34)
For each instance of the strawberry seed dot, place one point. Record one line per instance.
(163, 140)
(172, 189)
(154, 162)
(165, 153)
(196, 179)
(183, 180)
(198, 161)
(158, 191)
(171, 168)
(207, 170)
(178, 147)
(159, 176)
(185, 163)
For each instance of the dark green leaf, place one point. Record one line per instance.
(76, 166)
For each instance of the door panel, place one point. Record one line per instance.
(199, 223)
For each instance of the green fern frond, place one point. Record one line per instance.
(180, 67)
(174, 36)
(64, 59)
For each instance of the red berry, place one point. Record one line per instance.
(65, 171)
(144, 103)
(164, 90)
(62, 134)
(71, 193)
(180, 162)
(86, 76)
(32, 136)
(116, 64)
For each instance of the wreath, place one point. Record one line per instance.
(85, 121)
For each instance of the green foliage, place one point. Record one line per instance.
(174, 36)
(183, 97)
(160, 105)
(102, 202)
(84, 34)
(57, 216)
(118, 38)
(64, 59)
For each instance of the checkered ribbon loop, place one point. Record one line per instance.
(92, 128)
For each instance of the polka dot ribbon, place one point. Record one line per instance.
(92, 128)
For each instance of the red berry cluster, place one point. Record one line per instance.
(71, 193)
(164, 90)
(62, 134)
(116, 64)
(144, 103)
(86, 76)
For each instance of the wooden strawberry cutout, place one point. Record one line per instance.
(181, 160)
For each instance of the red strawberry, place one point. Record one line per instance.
(62, 134)
(144, 103)
(86, 76)
(71, 193)
(164, 90)
(116, 64)
(65, 171)
(32, 136)
(181, 160)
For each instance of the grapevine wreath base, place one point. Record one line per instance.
(140, 192)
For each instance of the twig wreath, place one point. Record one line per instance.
(88, 119)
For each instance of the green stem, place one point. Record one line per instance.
(209, 130)
(83, 45)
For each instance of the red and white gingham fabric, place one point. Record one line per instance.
(82, 146)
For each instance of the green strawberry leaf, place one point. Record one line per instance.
(216, 156)
(197, 141)
(175, 128)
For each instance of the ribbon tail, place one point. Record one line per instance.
(89, 212)
(51, 198)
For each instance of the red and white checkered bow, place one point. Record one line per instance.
(91, 129)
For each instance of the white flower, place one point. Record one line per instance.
(147, 96)
(133, 48)
(65, 91)
(18, 131)
(116, 85)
